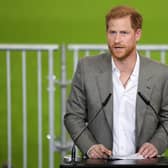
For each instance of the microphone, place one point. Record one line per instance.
(73, 152)
(148, 103)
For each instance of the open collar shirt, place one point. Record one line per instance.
(124, 111)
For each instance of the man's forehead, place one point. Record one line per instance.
(121, 23)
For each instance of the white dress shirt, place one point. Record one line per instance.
(124, 111)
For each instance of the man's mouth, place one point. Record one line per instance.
(118, 47)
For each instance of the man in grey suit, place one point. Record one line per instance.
(126, 125)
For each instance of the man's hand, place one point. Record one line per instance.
(99, 151)
(148, 150)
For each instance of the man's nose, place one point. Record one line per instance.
(117, 38)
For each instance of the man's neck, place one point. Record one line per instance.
(126, 65)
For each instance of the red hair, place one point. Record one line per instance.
(122, 11)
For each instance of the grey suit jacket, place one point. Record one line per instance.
(92, 83)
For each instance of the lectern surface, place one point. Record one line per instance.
(93, 163)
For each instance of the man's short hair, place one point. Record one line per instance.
(123, 11)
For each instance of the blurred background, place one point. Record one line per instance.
(55, 22)
(75, 21)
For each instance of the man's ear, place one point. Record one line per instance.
(138, 34)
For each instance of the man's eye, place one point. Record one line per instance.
(124, 32)
(112, 32)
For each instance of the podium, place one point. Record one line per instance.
(100, 163)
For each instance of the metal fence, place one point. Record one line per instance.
(70, 53)
(87, 49)
(24, 49)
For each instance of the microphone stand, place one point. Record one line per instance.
(149, 103)
(73, 151)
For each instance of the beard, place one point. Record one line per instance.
(121, 52)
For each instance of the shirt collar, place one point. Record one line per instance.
(136, 68)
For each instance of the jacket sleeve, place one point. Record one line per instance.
(76, 111)
(160, 137)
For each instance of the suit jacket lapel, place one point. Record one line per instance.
(104, 83)
(145, 87)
